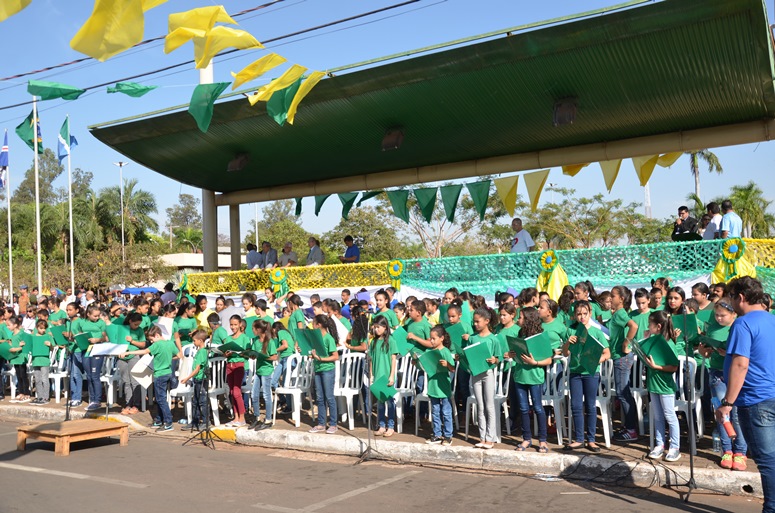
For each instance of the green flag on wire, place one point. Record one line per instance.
(367, 196)
(348, 200)
(449, 196)
(53, 90)
(298, 206)
(280, 102)
(479, 192)
(132, 89)
(426, 200)
(201, 106)
(319, 200)
(398, 199)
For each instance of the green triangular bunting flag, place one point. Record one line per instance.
(479, 192)
(449, 196)
(280, 102)
(201, 106)
(398, 201)
(426, 200)
(348, 200)
(298, 207)
(132, 89)
(319, 200)
(53, 90)
(368, 195)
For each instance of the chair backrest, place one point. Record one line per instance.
(454, 381)
(306, 373)
(406, 374)
(552, 388)
(217, 367)
(108, 366)
(605, 388)
(637, 376)
(292, 370)
(679, 376)
(502, 377)
(349, 374)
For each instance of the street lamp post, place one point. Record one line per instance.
(121, 199)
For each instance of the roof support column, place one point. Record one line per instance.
(234, 236)
(209, 231)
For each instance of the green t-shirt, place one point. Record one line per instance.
(661, 382)
(200, 359)
(286, 336)
(525, 374)
(264, 366)
(163, 351)
(185, 326)
(390, 315)
(95, 329)
(19, 358)
(268, 318)
(642, 320)
(440, 384)
(718, 332)
(557, 332)
(243, 341)
(596, 310)
(137, 335)
(617, 333)
(57, 317)
(43, 361)
(576, 349)
(219, 335)
(146, 322)
(381, 357)
(330, 345)
(503, 344)
(566, 318)
(346, 323)
(422, 329)
(293, 322)
(249, 325)
(605, 316)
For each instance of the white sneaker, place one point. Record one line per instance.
(657, 452)
(674, 454)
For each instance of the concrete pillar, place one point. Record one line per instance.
(209, 231)
(234, 235)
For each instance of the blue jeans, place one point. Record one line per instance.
(463, 387)
(535, 393)
(262, 385)
(719, 390)
(583, 393)
(93, 366)
(758, 425)
(386, 413)
(76, 376)
(160, 386)
(441, 414)
(279, 371)
(663, 416)
(324, 396)
(622, 374)
(200, 403)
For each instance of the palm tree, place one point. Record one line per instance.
(710, 158)
(751, 206)
(138, 207)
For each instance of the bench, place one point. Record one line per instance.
(64, 433)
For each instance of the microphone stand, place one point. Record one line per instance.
(369, 452)
(205, 433)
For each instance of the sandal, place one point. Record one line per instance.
(521, 447)
(125, 411)
(573, 446)
(543, 449)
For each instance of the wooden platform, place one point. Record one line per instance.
(63, 433)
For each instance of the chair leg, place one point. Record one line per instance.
(350, 409)
(651, 428)
(214, 408)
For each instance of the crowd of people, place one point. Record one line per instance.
(268, 257)
(718, 222)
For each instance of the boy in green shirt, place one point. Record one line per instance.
(197, 377)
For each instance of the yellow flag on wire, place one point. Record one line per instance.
(290, 76)
(202, 18)
(573, 170)
(534, 182)
(10, 7)
(218, 39)
(507, 192)
(180, 36)
(644, 166)
(305, 88)
(114, 26)
(668, 159)
(257, 68)
(610, 170)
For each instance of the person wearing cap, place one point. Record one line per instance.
(24, 299)
(288, 256)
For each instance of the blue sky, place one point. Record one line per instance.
(39, 36)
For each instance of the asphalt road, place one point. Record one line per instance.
(155, 474)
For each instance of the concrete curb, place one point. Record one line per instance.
(603, 470)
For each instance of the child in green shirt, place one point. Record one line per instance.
(440, 389)
(19, 361)
(484, 382)
(383, 309)
(265, 344)
(324, 375)
(40, 365)
(383, 353)
(197, 376)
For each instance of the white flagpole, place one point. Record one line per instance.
(70, 201)
(37, 189)
(10, 246)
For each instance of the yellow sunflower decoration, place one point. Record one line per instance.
(279, 280)
(552, 277)
(734, 262)
(395, 270)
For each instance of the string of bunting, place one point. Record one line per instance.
(505, 187)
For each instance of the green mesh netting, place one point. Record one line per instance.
(767, 277)
(485, 274)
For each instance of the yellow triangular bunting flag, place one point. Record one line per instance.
(256, 69)
(610, 170)
(644, 166)
(574, 169)
(218, 39)
(305, 88)
(290, 76)
(10, 7)
(668, 159)
(534, 182)
(202, 18)
(507, 192)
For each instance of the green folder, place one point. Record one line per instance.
(687, 326)
(636, 346)
(467, 315)
(39, 347)
(660, 350)
(184, 333)
(456, 332)
(476, 357)
(27, 348)
(303, 342)
(443, 318)
(82, 341)
(117, 333)
(249, 324)
(705, 315)
(402, 344)
(315, 338)
(230, 346)
(540, 346)
(591, 353)
(249, 353)
(381, 390)
(58, 333)
(430, 362)
(711, 342)
(5, 351)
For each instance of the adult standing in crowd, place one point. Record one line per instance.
(685, 224)
(253, 259)
(268, 256)
(288, 257)
(731, 224)
(748, 372)
(712, 230)
(522, 241)
(24, 299)
(168, 296)
(353, 253)
(315, 255)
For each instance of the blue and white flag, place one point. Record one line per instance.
(4, 162)
(65, 141)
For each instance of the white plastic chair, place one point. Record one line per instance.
(639, 391)
(554, 395)
(296, 382)
(185, 392)
(109, 378)
(247, 388)
(58, 371)
(603, 402)
(348, 379)
(218, 385)
(684, 400)
(406, 381)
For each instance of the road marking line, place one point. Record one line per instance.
(72, 475)
(9, 433)
(338, 498)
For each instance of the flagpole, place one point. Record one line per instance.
(37, 189)
(70, 201)
(10, 246)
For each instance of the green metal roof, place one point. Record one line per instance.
(664, 67)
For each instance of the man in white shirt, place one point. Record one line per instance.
(288, 256)
(711, 231)
(522, 241)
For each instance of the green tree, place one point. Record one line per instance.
(278, 225)
(185, 214)
(375, 232)
(48, 171)
(138, 207)
(81, 185)
(712, 161)
(749, 203)
(190, 237)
